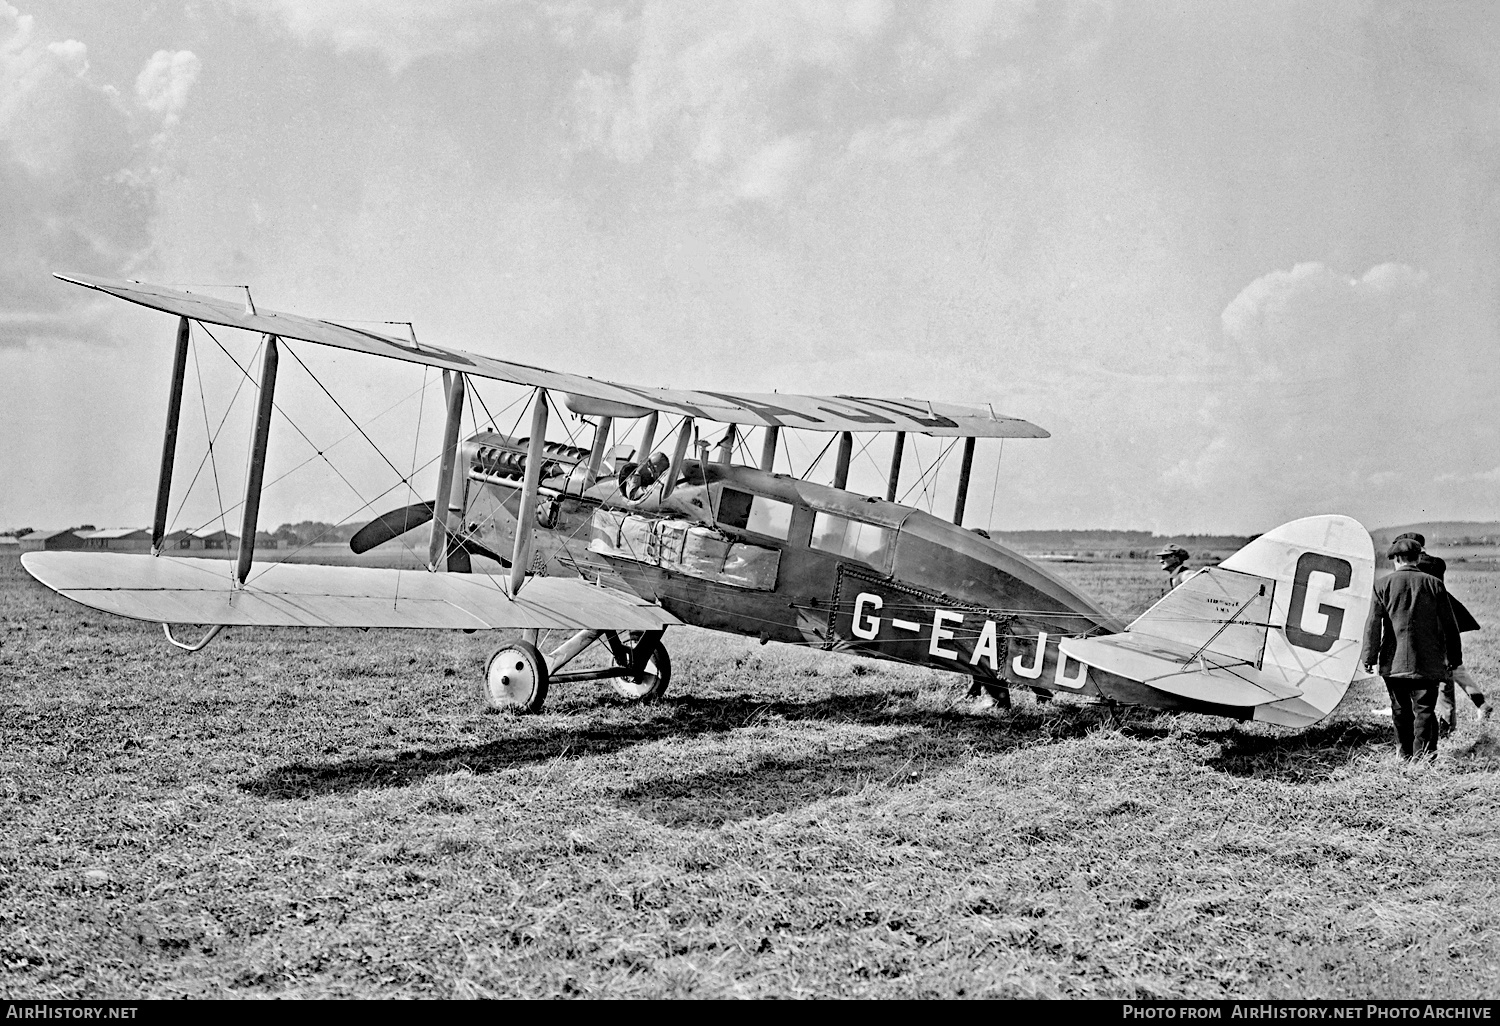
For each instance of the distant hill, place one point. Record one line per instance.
(1134, 544)
(1445, 532)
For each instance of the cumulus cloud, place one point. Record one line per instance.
(766, 174)
(1312, 321)
(164, 83)
(751, 96)
(398, 31)
(745, 100)
(73, 193)
(1347, 388)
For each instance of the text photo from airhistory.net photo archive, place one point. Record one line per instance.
(817, 499)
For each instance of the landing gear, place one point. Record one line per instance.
(515, 679)
(648, 683)
(517, 676)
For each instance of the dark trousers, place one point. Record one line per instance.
(1414, 712)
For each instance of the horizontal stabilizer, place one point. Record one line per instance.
(171, 589)
(1173, 669)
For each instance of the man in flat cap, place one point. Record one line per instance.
(1447, 706)
(1411, 633)
(1174, 561)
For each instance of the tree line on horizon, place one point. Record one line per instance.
(305, 532)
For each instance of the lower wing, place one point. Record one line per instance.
(171, 589)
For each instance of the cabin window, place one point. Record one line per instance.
(755, 513)
(851, 539)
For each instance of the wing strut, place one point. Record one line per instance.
(262, 435)
(520, 559)
(169, 438)
(648, 438)
(437, 547)
(684, 435)
(768, 449)
(596, 452)
(726, 445)
(895, 479)
(841, 467)
(964, 469)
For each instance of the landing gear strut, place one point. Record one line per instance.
(517, 676)
(650, 668)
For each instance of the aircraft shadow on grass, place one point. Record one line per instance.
(943, 739)
(1308, 756)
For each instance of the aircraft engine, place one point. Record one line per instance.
(496, 456)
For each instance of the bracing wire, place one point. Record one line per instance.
(321, 453)
(288, 473)
(378, 451)
(916, 454)
(212, 436)
(934, 470)
(343, 520)
(821, 453)
(995, 488)
(421, 412)
(293, 353)
(415, 441)
(213, 462)
(864, 450)
(318, 453)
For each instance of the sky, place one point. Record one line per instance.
(1241, 260)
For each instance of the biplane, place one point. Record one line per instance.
(612, 544)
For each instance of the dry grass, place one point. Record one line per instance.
(301, 813)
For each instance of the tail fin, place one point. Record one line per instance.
(1276, 627)
(1324, 569)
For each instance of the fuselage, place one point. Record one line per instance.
(735, 548)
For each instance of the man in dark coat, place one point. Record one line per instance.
(1447, 706)
(1413, 636)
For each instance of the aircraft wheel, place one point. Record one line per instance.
(651, 683)
(515, 679)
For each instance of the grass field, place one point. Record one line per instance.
(301, 813)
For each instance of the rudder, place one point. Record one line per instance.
(1324, 569)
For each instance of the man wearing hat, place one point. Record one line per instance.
(1411, 633)
(1174, 561)
(1447, 706)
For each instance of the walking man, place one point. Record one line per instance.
(1411, 633)
(1447, 706)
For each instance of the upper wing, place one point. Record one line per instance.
(171, 589)
(811, 412)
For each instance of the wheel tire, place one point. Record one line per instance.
(515, 679)
(651, 683)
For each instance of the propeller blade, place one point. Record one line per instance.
(473, 548)
(458, 560)
(390, 525)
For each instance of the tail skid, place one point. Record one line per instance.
(1276, 627)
